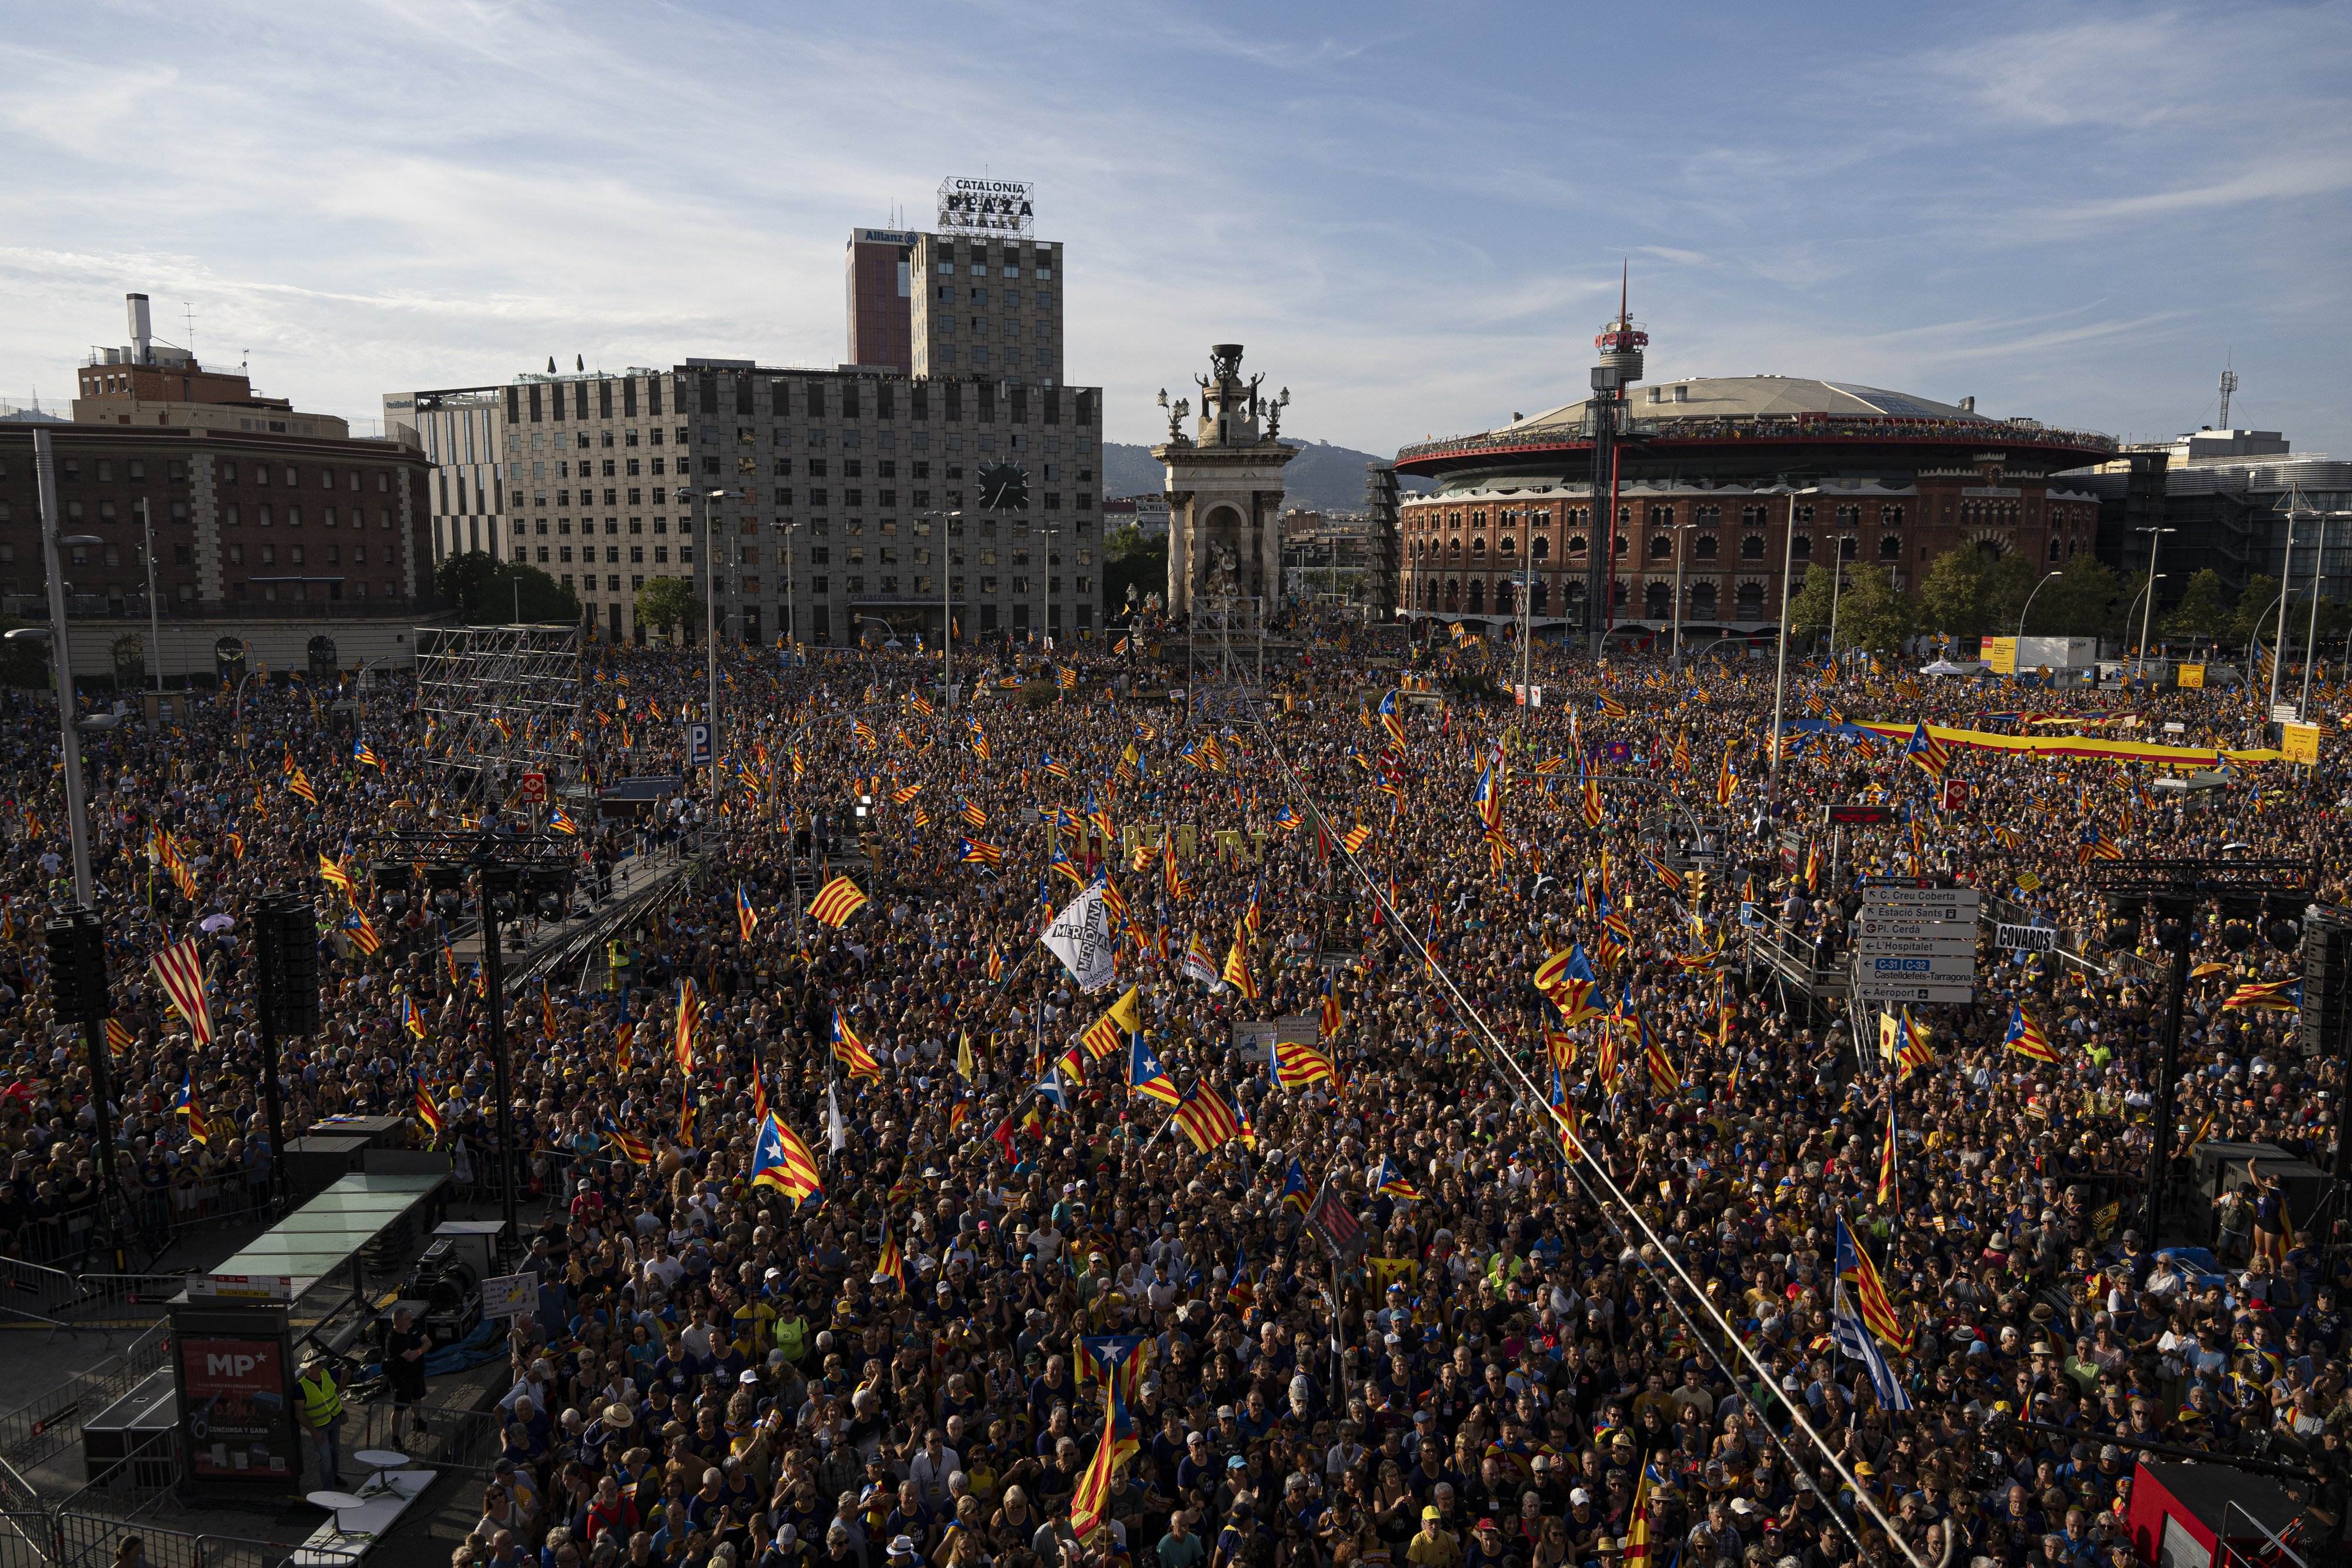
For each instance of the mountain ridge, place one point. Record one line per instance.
(1323, 477)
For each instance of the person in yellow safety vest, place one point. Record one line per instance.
(616, 963)
(322, 1418)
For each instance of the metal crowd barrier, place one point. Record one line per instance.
(41, 1427)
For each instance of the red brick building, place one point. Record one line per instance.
(243, 524)
(1712, 477)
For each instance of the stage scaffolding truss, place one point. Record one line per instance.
(502, 699)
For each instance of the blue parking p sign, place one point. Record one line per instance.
(698, 745)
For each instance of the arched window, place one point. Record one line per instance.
(1661, 546)
(1890, 516)
(1751, 547)
(1622, 543)
(1702, 600)
(1503, 598)
(1709, 516)
(1750, 602)
(1890, 546)
(1477, 547)
(1541, 548)
(1478, 605)
(2054, 548)
(1506, 545)
(1801, 547)
(1577, 544)
(1659, 601)
(1849, 517)
(1542, 597)
(1751, 517)
(1703, 547)
(1847, 545)
(1804, 514)
(1662, 517)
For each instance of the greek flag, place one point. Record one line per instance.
(1853, 1340)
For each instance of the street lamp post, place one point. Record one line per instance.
(1837, 582)
(2028, 601)
(154, 619)
(2278, 638)
(45, 468)
(1050, 530)
(2156, 539)
(1781, 669)
(1675, 658)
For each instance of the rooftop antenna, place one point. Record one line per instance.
(2228, 385)
(189, 312)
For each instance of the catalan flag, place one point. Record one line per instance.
(746, 919)
(688, 1023)
(1107, 1033)
(1330, 1019)
(1870, 1291)
(782, 1161)
(972, 815)
(1206, 1120)
(976, 851)
(836, 901)
(561, 822)
(427, 1111)
(362, 933)
(1356, 838)
(1392, 721)
(1144, 1076)
(1389, 1180)
(634, 1149)
(1296, 1194)
(299, 783)
(1927, 753)
(365, 755)
(890, 1266)
(1292, 1064)
(1889, 1189)
(851, 1052)
(332, 872)
(2026, 1038)
(1237, 971)
(2284, 995)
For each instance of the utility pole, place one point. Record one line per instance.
(1781, 670)
(154, 617)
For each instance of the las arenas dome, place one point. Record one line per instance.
(1716, 477)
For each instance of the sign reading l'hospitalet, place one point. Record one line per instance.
(985, 206)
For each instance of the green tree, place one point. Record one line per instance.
(2203, 611)
(2257, 611)
(1131, 560)
(2084, 603)
(1967, 594)
(489, 591)
(1870, 613)
(669, 601)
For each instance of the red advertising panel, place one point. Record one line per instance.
(234, 1406)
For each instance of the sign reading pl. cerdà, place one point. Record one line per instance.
(985, 206)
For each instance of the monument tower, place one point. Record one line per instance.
(1224, 491)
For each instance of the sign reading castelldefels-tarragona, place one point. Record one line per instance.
(985, 206)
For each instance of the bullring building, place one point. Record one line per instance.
(1713, 474)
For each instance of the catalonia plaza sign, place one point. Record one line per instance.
(985, 206)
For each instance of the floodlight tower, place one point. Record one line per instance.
(1620, 342)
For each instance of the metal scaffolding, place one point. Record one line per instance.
(501, 698)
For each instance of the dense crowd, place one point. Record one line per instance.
(1591, 1318)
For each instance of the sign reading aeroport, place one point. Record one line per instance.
(985, 206)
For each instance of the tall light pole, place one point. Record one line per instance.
(154, 617)
(2278, 638)
(2156, 539)
(1675, 657)
(44, 469)
(1781, 668)
(1837, 582)
(2028, 601)
(1049, 530)
(709, 605)
(2310, 632)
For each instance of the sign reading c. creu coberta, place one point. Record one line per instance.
(985, 206)
(1084, 939)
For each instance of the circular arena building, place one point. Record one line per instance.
(1718, 480)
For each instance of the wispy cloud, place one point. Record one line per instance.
(1411, 217)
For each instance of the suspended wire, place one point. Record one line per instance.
(1498, 1055)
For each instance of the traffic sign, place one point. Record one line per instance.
(1857, 813)
(1956, 794)
(1885, 893)
(1893, 990)
(532, 788)
(697, 744)
(1882, 945)
(1928, 966)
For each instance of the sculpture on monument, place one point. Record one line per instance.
(1224, 492)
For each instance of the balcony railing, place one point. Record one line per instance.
(1993, 433)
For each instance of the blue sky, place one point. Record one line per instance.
(1412, 214)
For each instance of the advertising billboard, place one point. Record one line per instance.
(235, 1410)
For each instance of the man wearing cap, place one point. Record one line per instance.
(1432, 1545)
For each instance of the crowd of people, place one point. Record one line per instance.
(1590, 1239)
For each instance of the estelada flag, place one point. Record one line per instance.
(181, 973)
(836, 901)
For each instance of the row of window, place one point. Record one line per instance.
(612, 554)
(1013, 300)
(1660, 515)
(266, 555)
(297, 591)
(848, 396)
(102, 470)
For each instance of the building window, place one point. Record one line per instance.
(1703, 547)
(1751, 547)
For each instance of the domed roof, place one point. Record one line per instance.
(1754, 397)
